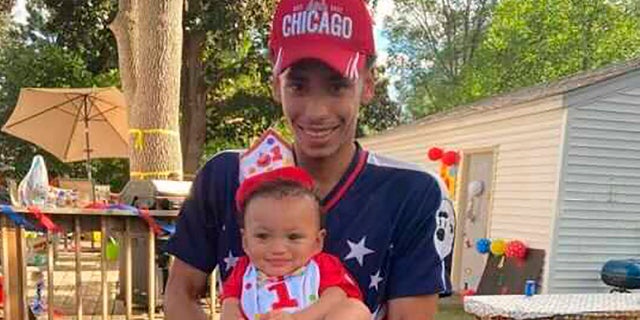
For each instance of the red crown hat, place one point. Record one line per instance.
(336, 32)
(292, 174)
(269, 152)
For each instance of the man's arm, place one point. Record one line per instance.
(419, 267)
(195, 242)
(413, 308)
(231, 309)
(184, 287)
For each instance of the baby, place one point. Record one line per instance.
(285, 274)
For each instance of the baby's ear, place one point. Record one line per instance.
(320, 239)
(244, 239)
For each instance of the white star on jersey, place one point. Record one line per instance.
(358, 251)
(230, 261)
(375, 280)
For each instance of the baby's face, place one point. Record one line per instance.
(281, 235)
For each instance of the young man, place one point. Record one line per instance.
(387, 221)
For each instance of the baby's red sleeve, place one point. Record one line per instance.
(232, 287)
(333, 274)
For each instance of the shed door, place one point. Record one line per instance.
(474, 205)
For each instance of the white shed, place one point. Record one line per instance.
(560, 165)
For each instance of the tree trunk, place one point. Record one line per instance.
(124, 28)
(149, 36)
(6, 6)
(194, 99)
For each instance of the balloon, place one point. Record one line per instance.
(516, 249)
(468, 292)
(113, 250)
(498, 247)
(435, 154)
(450, 158)
(39, 260)
(483, 245)
(453, 171)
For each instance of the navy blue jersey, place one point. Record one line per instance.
(387, 222)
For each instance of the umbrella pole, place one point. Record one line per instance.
(88, 150)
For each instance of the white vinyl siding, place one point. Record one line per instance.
(599, 217)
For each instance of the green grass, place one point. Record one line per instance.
(452, 312)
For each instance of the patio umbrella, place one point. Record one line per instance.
(73, 124)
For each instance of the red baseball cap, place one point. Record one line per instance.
(336, 32)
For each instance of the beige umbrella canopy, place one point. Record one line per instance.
(73, 124)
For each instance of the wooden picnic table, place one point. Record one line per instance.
(75, 220)
(555, 306)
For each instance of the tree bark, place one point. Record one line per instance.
(6, 6)
(149, 37)
(194, 94)
(124, 28)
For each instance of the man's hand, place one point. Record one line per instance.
(184, 287)
(278, 315)
(231, 310)
(413, 308)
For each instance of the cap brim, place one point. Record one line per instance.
(346, 62)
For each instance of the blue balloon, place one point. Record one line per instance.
(483, 245)
(453, 171)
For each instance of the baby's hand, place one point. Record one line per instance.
(277, 315)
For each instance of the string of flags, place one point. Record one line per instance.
(46, 224)
(16, 218)
(44, 220)
(159, 227)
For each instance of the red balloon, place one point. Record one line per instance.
(435, 154)
(516, 249)
(468, 292)
(450, 158)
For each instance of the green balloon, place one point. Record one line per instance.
(39, 260)
(113, 250)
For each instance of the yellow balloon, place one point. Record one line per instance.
(498, 247)
(97, 236)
